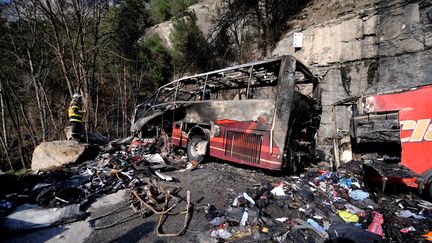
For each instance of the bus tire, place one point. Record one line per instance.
(197, 148)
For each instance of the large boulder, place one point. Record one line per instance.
(57, 153)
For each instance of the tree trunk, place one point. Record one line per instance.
(25, 117)
(5, 137)
(97, 16)
(17, 128)
(125, 101)
(59, 49)
(38, 100)
(6, 153)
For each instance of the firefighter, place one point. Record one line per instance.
(76, 113)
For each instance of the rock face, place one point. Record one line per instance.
(57, 153)
(204, 11)
(360, 47)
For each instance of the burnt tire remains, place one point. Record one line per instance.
(197, 148)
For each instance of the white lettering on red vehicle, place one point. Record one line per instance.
(422, 130)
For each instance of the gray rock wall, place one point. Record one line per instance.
(373, 46)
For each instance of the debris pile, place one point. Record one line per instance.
(320, 205)
(130, 163)
(316, 206)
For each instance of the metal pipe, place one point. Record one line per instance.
(204, 90)
(249, 82)
(271, 132)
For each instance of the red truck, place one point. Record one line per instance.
(413, 133)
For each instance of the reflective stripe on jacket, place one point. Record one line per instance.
(73, 114)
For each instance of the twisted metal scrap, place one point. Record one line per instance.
(162, 218)
(166, 209)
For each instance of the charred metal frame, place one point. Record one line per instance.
(385, 129)
(199, 95)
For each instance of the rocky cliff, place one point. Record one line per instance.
(205, 11)
(362, 46)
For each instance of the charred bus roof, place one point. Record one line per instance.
(193, 89)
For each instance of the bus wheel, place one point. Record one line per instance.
(197, 148)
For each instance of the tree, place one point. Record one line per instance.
(156, 61)
(131, 20)
(265, 19)
(190, 50)
(163, 10)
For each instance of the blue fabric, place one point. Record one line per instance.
(345, 182)
(314, 224)
(358, 195)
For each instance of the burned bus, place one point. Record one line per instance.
(264, 114)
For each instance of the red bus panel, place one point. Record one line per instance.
(415, 115)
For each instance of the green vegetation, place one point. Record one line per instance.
(163, 10)
(190, 50)
(156, 60)
(131, 20)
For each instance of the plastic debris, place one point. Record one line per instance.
(345, 182)
(221, 233)
(408, 214)
(407, 229)
(355, 210)
(358, 195)
(244, 218)
(247, 197)
(163, 176)
(217, 221)
(314, 224)
(375, 227)
(154, 158)
(310, 205)
(235, 201)
(348, 217)
(278, 191)
(282, 220)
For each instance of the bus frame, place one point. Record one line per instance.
(264, 114)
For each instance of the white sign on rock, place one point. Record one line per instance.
(298, 40)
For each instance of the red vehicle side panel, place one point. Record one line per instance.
(218, 144)
(415, 115)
